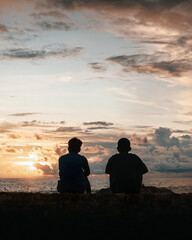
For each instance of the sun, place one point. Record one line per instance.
(33, 156)
(32, 168)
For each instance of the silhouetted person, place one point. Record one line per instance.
(125, 169)
(73, 170)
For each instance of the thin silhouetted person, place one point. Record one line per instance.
(125, 169)
(73, 170)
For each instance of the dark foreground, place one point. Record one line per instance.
(148, 214)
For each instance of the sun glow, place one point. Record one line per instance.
(32, 168)
(25, 163)
(30, 162)
(31, 156)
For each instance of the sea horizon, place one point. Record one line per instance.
(49, 184)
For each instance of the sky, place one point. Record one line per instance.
(98, 70)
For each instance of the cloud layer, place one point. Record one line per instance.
(152, 64)
(162, 149)
(46, 52)
(127, 40)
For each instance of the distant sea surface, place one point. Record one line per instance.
(49, 185)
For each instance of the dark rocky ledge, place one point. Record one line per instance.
(144, 190)
(152, 213)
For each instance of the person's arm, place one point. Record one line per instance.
(108, 167)
(60, 173)
(142, 167)
(86, 168)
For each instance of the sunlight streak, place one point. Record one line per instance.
(31, 156)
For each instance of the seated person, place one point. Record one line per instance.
(73, 170)
(125, 169)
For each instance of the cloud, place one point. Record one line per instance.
(54, 14)
(151, 22)
(13, 3)
(42, 124)
(113, 4)
(149, 64)
(97, 127)
(188, 113)
(168, 169)
(97, 156)
(38, 136)
(22, 114)
(3, 29)
(185, 122)
(14, 136)
(167, 153)
(46, 52)
(141, 126)
(186, 137)
(161, 23)
(138, 140)
(98, 67)
(10, 149)
(100, 123)
(94, 125)
(175, 68)
(162, 138)
(12, 128)
(129, 14)
(6, 126)
(32, 123)
(160, 150)
(47, 169)
(46, 26)
(60, 150)
(133, 14)
(68, 129)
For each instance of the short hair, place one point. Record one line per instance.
(74, 145)
(124, 145)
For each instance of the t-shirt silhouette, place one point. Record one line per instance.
(73, 169)
(126, 170)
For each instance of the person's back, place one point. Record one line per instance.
(73, 170)
(71, 173)
(125, 169)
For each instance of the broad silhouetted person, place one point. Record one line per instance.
(73, 170)
(125, 169)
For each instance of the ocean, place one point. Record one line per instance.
(49, 185)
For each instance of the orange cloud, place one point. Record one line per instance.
(170, 14)
(14, 136)
(13, 150)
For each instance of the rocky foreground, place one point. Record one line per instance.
(152, 213)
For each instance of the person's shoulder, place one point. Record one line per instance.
(115, 156)
(82, 157)
(63, 156)
(133, 155)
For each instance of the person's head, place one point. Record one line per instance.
(123, 145)
(74, 145)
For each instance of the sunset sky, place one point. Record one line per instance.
(98, 70)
